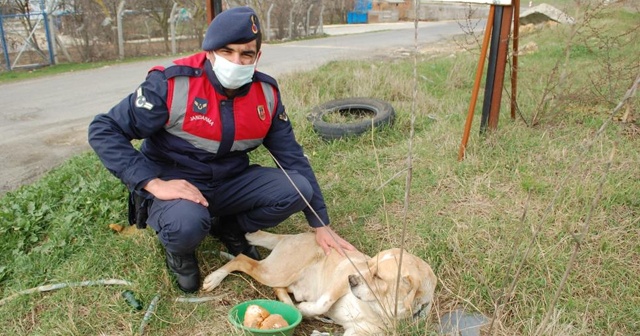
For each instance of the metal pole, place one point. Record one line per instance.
(217, 7)
(52, 35)
(172, 23)
(45, 17)
(501, 63)
(514, 66)
(321, 21)
(214, 7)
(306, 30)
(5, 50)
(291, 22)
(491, 69)
(120, 30)
(476, 85)
(268, 37)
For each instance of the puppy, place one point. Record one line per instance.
(355, 291)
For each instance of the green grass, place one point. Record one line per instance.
(22, 74)
(474, 220)
(31, 73)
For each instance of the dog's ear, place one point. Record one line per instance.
(413, 286)
(429, 280)
(420, 284)
(426, 289)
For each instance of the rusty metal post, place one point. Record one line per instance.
(514, 65)
(214, 7)
(499, 27)
(501, 62)
(476, 85)
(491, 68)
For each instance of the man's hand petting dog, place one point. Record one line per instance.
(327, 239)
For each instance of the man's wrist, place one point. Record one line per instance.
(151, 184)
(321, 228)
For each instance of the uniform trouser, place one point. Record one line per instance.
(258, 198)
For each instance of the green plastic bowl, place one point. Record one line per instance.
(289, 313)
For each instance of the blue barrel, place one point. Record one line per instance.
(356, 17)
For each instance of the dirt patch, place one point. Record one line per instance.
(26, 157)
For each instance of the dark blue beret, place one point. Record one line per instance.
(232, 26)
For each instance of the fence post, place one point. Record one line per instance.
(306, 29)
(45, 17)
(269, 22)
(291, 22)
(120, 30)
(172, 22)
(51, 36)
(320, 29)
(5, 50)
(214, 7)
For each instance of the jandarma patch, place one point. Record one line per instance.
(200, 105)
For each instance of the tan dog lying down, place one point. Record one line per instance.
(358, 294)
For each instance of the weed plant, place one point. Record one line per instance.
(537, 228)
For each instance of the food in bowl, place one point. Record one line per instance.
(274, 321)
(258, 317)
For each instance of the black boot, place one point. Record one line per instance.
(185, 268)
(233, 239)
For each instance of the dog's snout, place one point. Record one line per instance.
(423, 310)
(353, 280)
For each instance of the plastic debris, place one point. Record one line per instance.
(131, 299)
(47, 288)
(199, 299)
(147, 315)
(459, 322)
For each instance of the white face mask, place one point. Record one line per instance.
(231, 75)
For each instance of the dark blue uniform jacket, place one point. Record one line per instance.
(144, 114)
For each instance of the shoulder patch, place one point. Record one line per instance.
(141, 100)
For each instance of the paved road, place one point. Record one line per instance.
(43, 121)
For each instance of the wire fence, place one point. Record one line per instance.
(43, 32)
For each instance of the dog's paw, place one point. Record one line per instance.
(213, 280)
(303, 307)
(311, 309)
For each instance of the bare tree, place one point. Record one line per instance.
(160, 12)
(336, 11)
(198, 23)
(89, 22)
(28, 22)
(292, 14)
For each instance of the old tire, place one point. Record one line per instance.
(359, 111)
